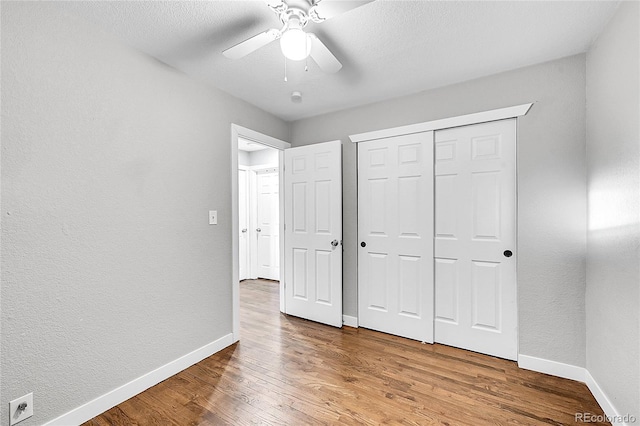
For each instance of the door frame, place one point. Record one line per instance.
(238, 131)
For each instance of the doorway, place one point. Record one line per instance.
(259, 211)
(239, 133)
(310, 198)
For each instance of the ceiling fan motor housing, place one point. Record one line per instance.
(294, 18)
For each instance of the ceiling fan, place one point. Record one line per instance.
(296, 44)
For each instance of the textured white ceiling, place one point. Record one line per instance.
(389, 48)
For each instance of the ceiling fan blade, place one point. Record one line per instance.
(277, 6)
(327, 9)
(252, 44)
(323, 56)
(274, 3)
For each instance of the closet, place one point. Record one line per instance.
(437, 234)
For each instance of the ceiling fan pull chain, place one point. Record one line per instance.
(285, 69)
(306, 60)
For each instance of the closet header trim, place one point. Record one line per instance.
(444, 123)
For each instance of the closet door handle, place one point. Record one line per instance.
(244, 230)
(258, 230)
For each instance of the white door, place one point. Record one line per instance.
(243, 212)
(313, 232)
(267, 224)
(475, 238)
(395, 231)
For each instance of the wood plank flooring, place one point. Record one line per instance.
(289, 371)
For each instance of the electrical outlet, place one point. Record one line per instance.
(213, 217)
(20, 409)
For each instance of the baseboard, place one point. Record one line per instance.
(612, 414)
(350, 321)
(580, 374)
(554, 368)
(110, 399)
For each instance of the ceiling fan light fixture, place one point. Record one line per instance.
(295, 44)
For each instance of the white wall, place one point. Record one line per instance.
(551, 189)
(110, 161)
(613, 262)
(263, 157)
(243, 158)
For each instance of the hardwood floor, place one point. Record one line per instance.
(286, 370)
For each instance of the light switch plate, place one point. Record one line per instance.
(16, 414)
(213, 217)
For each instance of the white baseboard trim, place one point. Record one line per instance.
(613, 416)
(554, 368)
(580, 374)
(350, 321)
(110, 399)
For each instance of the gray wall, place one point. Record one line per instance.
(613, 260)
(110, 161)
(551, 189)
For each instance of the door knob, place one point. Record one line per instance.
(508, 253)
(258, 230)
(244, 230)
(335, 243)
(363, 244)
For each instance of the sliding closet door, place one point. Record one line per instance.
(475, 236)
(395, 228)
